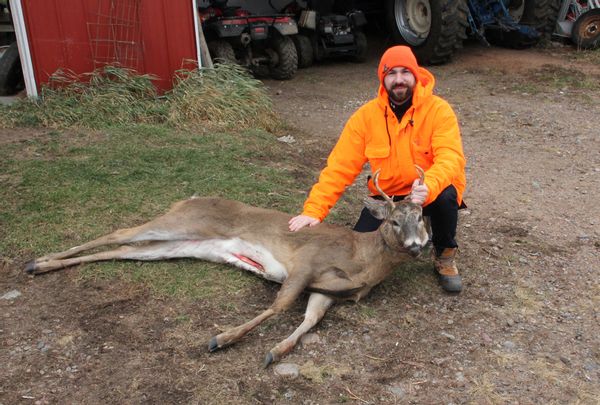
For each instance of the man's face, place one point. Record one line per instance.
(399, 83)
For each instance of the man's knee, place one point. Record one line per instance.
(447, 198)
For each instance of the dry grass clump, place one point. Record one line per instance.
(108, 96)
(223, 97)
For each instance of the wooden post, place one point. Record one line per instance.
(204, 54)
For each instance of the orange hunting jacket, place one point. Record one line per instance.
(428, 135)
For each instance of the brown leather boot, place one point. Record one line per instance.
(447, 272)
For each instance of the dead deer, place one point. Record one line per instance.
(331, 262)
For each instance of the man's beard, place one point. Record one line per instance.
(400, 98)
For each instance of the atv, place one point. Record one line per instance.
(323, 33)
(262, 43)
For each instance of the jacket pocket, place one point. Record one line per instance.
(379, 159)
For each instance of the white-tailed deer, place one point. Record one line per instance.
(331, 262)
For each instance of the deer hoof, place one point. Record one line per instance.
(270, 358)
(30, 267)
(213, 345)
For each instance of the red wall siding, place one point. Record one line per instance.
(151, 36)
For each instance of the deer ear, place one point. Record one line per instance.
(377, 208)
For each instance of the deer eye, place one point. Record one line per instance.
(396, 223)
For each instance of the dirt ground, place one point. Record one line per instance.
(525, 330)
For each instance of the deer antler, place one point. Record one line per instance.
(384, 195)
(421, 180)
(421, 174)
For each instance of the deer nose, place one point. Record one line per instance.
(414, 249)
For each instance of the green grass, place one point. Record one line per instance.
(181, 278)
(366, 312)
(588, 55)
(563, 78)
(138, 170)
(67, 188)
(64, 189)
(551, 78)
(118, 155)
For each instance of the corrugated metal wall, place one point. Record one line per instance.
(151, 36)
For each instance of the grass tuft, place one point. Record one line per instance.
(106, 97)
(224, 97)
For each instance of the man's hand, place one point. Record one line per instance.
(419, 192)
(300, 221)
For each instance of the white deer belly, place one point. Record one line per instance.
(235, 251)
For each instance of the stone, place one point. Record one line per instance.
(287, 139)
(65, 340)
(11, 295)
(287, 370)
(310, 339)
(397, 390)
(486, 338)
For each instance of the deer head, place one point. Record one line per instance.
(403, 227)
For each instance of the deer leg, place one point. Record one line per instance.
(290, 290)
(158, 230)
(54, 264)
(145, 232)
(158, 250)
(318, 304)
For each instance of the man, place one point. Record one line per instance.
(406, 125)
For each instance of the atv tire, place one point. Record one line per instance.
(586, 30)
(433, 29)
(287, 64)
(221, 51)
(360, 43)
(11, 74)
(537, 14)
(304, 49)
(318, 51)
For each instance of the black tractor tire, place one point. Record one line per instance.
(304, 49)
(536, 14)
(287, 65)
(11, 74)
(548, 29)
(433, 29)
(221, 51)
(360, 43)
(586, 30)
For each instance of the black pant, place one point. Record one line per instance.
(443, 213)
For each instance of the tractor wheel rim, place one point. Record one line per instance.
(591, 28)
(413, 19)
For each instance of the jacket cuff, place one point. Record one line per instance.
(314, 214)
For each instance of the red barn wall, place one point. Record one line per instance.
(150, 36)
